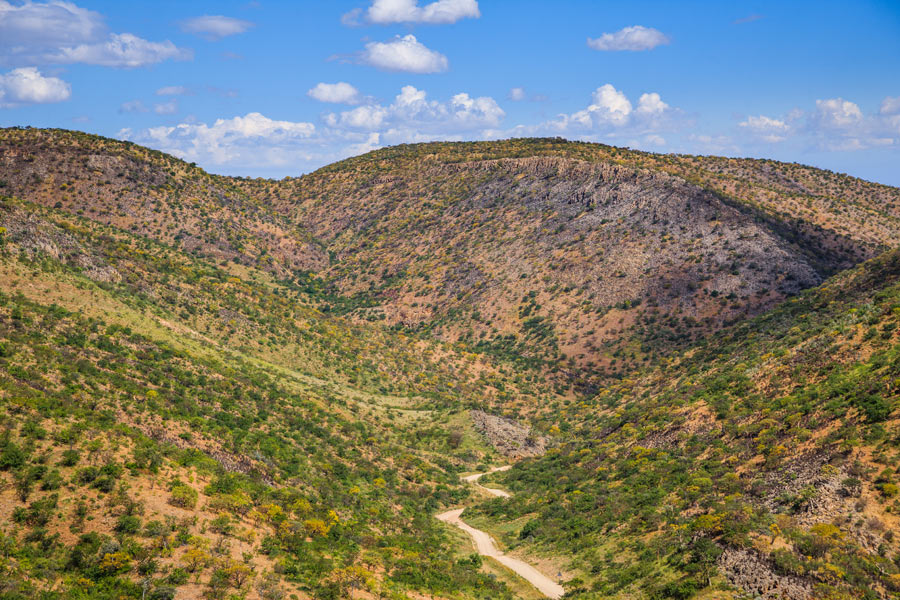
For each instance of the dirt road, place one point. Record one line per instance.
(484, 544)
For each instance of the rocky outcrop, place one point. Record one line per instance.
(39, 239)
(757, 578)
(508, 436)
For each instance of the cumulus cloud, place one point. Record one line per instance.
(121, 50)
(28, 86)
(609, 106)
(838, 124)
(765, 128)
(634, 38)
(833, 124)
(441, 12)
(58, 32)
(651, 104)
(412, 111)
(610, 116)
(215, 27)
(404, 53)
(836, 113)
(890, 106)
(49, 25)
(253, 140)
(339, 93)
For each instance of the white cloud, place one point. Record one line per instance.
(172, 90)
(517, 94)
(50, 25)
(122, 50)
(610, 107)
(441, 12)
(837, 113)
(835, 124)
(651, 104)
(249, 141)
(411, 111)
(633, 38)
(889, 116)
(215, 27)
(340, 93)
(166, 108)
(28, 86)
(363, 117)
(765, 128)
(610, 116)
(256, 142)
(404, 54)
(839, 124)
(59, 32)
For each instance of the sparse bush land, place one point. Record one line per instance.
(244, 388)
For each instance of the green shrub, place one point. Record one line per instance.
(183, 496)
(128, 524)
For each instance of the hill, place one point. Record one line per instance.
(238, 387)
(765, 460)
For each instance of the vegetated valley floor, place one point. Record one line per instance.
(231, 387)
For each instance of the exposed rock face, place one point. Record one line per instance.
(39, 238)
(758, 579)
(507, 436)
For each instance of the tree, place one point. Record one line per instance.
(195, 558)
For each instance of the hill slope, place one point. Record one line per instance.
(601, 255)
(768, 456)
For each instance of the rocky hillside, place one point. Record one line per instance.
(552, 249)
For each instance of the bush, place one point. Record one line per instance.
(70, 458)
(679, 590)
(87, 475)
(12, 457)
(178, 576)
(128, 524)
(183, 495)
(875, 408)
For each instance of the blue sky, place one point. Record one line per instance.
(275, 88)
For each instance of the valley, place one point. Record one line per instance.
(235, 387)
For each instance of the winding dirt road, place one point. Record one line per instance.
(484, 543)
(473, 479)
